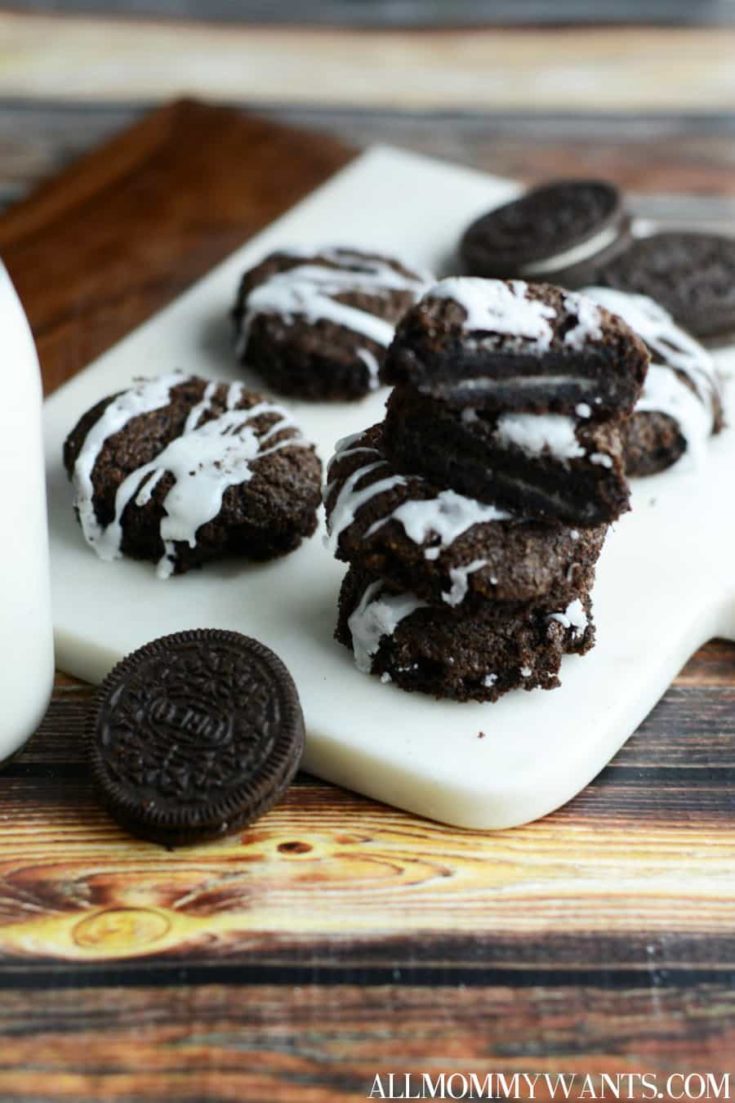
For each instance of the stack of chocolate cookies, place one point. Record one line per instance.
(473, 516)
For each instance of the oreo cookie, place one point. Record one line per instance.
(194, 736)
(559, 232)
(692, 275)
(550, 466)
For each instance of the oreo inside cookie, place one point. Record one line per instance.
(195, 735)
(558, 231)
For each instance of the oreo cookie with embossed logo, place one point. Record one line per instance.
(194, 736)
(559, 232)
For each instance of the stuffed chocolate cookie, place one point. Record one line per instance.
(179, 470)
(473, 516)
(561, 232)
(316, 323)
(465, 655)
(563, 467)
(515, 394)
(507, 345)
(444, 546)
(680, 406)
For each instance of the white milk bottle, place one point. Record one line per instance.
(26, 640)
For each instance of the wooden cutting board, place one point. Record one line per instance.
(113, 239)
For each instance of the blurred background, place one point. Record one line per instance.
(638, 90)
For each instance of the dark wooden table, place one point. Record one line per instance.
(339, 938)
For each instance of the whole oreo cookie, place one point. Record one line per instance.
(560, 232)
(691, 275)
(316, 323)
(181, 471)
(194, 736)
(476, 654)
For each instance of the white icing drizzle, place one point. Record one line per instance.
(537, 433)
(505, 308)
(344, 448)
(489, 680)
(459, 578)
(573, 617)
(204, 461)
(601, 459)
(495, 306)
(583, 410)
(665, 393)
(307, 291)
(670, 345)
(446, 516)
(588, 326)
(197, 412)
(350, 499)
(143, 397)
(673, 350)
(377, 614)
(574, 255)
(371, 363)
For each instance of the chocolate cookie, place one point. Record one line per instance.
(317, 323)
(691, 275)
(478, 655)
(194, 736)
(550, 466)
(680, 406)
(443, 546)
(561, 232)
(180, 471)
(504, 346)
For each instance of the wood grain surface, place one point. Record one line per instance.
(407, 13)
(338, 938)
(484, 68)
(99, 249)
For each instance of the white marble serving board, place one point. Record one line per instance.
(666, 580)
